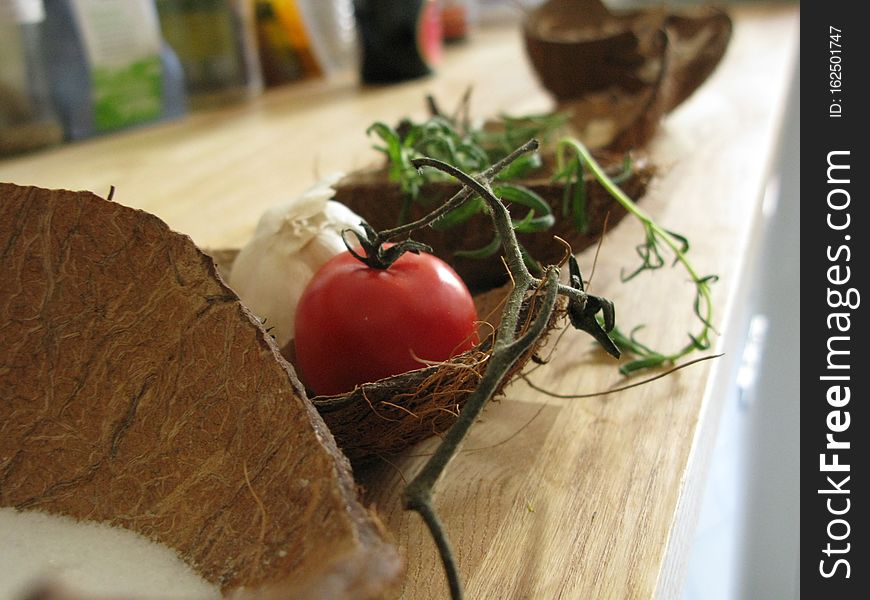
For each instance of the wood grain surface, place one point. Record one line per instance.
(550, 498)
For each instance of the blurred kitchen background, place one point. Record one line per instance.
(73, 69)
(748, 533)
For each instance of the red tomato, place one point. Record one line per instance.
(356, 324)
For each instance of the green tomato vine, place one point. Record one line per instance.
(454, 141)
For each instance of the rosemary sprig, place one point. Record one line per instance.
(572, 174)
(470, 150)
(511, 340)
(509, 131)
(456, 142)
(573, 155)
(453, 140)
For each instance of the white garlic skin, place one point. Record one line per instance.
(291, 242)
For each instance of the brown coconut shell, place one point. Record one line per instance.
(136, 390)
(619, 72)
(700, 37)
(370, 194)
(388, 416)
(579, 46)
(385, 417)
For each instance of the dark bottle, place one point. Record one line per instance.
(399, 39)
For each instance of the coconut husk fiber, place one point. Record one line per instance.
(135, 389)
(618, 73)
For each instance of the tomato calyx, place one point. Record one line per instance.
(376, 253)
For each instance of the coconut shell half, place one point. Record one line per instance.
(385, 417)
(370, 194)
(388, 416)
(619, 72)
(136, 390)
(700, 37)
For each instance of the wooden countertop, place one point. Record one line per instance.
(584, 498)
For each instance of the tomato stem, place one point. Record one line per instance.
(379, 256)
(375, 254)
(510, 343)
(462, 195)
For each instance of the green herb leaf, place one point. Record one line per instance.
(460, 215)
(521, 167)
(657, 242)
(484, 252)
(539, 218)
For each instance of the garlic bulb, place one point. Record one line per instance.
(291, 242)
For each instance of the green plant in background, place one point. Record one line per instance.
(470, 149)
(572, 174)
